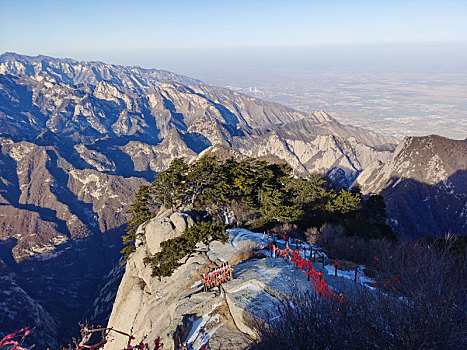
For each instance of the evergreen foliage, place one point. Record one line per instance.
(253, 193)
(169, 188)
(175, 249)
(141, 210)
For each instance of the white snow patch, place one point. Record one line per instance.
(198, 336)
(250, 286)
(264, 272)
(215, 306)
(196, 284)
(241, 234)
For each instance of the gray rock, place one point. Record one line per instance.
(157, 231)
(179, 221)
(175, 307)
(189, 220)
(227, 339)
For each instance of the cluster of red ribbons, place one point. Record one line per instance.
(87, 332)
(322, 288)
(10, 341)
(394, 279)
(218, 276)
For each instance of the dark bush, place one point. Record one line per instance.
(366, 320)
(420, 303)
(353, 248)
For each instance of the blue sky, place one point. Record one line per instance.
(85, 27)
(205, 38)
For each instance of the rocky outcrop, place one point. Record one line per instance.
(161, 229)
(424, 185)
(176, 309)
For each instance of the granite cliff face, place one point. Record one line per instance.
(424, 185)
(77, 139)
(176, 309)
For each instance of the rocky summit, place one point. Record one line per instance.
(176, 308)
(424, 185)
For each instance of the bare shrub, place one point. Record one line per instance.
(354, 248)
(417, 271)
(244, 215)
(365, 320)
(292, 230)
(434, 283)
(247, 252)
(329, 232)
(311, 235)
(308, 322)
(420, 302)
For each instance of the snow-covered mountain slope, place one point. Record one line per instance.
(424, 185)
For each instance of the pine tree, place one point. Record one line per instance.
(141, 210)
(307, 193)
(201, 177)
(169, 189)
(344, 203)
(376, 209)
(174, 250)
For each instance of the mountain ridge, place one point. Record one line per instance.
(424, 186)
(75, 148)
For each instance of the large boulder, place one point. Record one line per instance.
(158, 230)
(181, 221)
(176, 309)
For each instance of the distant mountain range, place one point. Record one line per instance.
(78, 139)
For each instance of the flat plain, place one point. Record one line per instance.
(394, 103)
